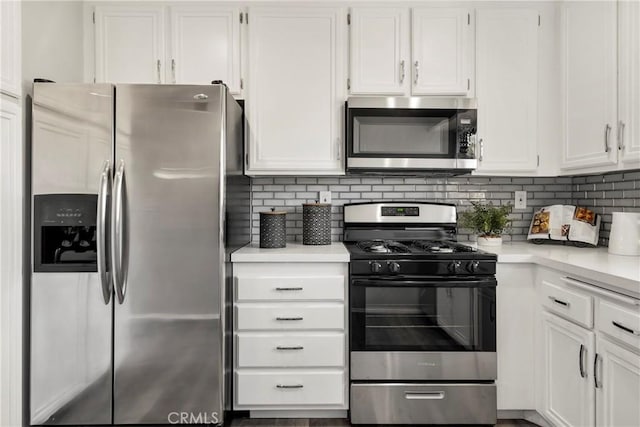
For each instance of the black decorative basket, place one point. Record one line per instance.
(273, 229)
(316, 224)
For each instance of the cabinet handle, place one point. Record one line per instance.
(607, 132)
(289, 289)
(402, 71)
(559, 301)
(415, 395)
(621, 135)
(338, 150)
(296, 347)
(583, 374)
(624, 328)
(288, 318)
(173, 70)
(481, 150)
(281, 386)
(596, 367)
(417, 71)
(158, 70)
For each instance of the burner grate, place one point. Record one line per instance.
(384, 247)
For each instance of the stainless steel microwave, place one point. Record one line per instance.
(411, 135)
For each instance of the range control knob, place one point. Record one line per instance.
(473, 266)
(394, 267)
(375, 267)
(454, 266)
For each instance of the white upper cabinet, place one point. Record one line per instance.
(10, 83)
(589, 88)
(380, 61)
(204, 46)
(295, 90)
(129, 44)
(441, 51)
(191, 44)
(507, 89)
(629, 83)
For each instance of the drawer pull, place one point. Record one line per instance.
(624, 328)
(559, 301)
(414, 395)
(289, 386)
(289, 289)
(296, 347)
(288, 318)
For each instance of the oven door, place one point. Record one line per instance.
(423, 329)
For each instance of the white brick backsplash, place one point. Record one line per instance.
(608, 193)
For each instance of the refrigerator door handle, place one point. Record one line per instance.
(103, 203)
(117, 239)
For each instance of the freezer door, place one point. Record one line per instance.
(70, 297)
(168, 254)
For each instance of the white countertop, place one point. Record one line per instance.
(592, 264)
(294, 252)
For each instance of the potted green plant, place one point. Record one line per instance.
(488, 221)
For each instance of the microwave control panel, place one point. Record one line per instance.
(466, 133)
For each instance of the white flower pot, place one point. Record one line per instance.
(489, 241)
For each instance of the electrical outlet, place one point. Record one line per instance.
(520, 200)
(325, 197)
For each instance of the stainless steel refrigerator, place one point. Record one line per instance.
(138, 200)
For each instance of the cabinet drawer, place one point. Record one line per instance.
(568, 303)
(250, 288)
(289, 316)
(619, 322)
(290, 388)
(256, 350)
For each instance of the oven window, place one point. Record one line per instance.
(406, 135)
(423, 319)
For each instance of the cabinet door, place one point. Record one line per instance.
(568, 394)
(589, 89)
(507, 89)
(129, 44)
(205, 46)
(295, 90)
(629, 83)
(10, 48)
(380, 59)
(618, 391)
(441, 51)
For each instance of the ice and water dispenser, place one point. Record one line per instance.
(64, 229)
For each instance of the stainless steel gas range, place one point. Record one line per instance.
(422, 317)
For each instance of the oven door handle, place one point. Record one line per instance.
(445, 283)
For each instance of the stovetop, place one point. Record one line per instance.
(415, 249)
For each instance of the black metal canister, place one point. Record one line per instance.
(273, 229)
(316, 224)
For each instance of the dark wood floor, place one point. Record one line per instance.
(331, 422)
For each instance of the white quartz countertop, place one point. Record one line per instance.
(294, 252)
(621, 273)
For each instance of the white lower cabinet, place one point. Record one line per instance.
(590, 354)
(290, 337)
(569, 393)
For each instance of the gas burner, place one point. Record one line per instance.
(383, 247)
(442, 247)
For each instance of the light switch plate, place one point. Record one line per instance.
(325, 197)
(520, 200)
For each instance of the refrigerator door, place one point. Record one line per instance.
(70, 295)
(168, 254)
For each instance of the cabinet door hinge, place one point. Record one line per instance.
(348, 19)
(539, 20)
(93, 17)
(538, 159)
(348, 84)
(241, 83)
(468, 19)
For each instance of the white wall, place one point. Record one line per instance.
(52, 41)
